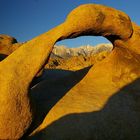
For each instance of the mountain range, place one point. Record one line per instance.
(87, 50)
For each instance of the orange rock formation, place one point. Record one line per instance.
(84, 112)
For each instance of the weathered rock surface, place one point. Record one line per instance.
(74, 63)
(62, 57)
(8, 44)
(102, 105)
(77, 58)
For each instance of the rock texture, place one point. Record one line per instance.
(8, 44)
(77, 58)
(103, 104)
(98, 106)
(74, 63)
(62, 57)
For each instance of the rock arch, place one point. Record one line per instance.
(18, 69)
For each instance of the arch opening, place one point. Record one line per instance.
(77, 53)
(83, 41)
(84, 45)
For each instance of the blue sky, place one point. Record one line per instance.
(25, 19)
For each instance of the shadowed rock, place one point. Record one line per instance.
(91, 93)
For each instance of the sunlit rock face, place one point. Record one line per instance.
(8, 44)
(98, 102)
(99, 106)
(66, 58)
(63, 57)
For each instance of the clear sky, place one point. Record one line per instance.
(25, 19)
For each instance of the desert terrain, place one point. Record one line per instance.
(86, 93)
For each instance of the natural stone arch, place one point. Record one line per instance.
(18, 70)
